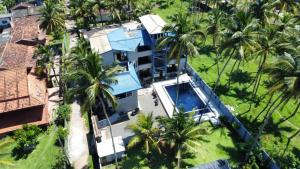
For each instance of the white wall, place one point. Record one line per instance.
(128, 103)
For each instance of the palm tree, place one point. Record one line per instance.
(52, 17)
(285, 79)
(181, 133)
(181, 42)
(215, 21)
(286, 5)
(97, 5)
(45, 60)
(113, 6)
(146, 133)
(93, 82)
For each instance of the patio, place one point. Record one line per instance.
(146, 105)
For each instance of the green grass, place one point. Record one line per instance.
(44, 156)
(219, 143)
(172, 9)
(205, 67)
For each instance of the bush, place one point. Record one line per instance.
(63, 114)
(62, 133)
(26, 140)
(62, 161)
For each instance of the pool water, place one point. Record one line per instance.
(188, 99)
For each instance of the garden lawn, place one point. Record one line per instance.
(240, 100)
(43, 157)
(172, 9)
(220, 143)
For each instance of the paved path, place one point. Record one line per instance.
(77, 140)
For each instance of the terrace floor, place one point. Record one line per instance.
(146, 105)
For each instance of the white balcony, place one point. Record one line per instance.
(144, 66)
(144, 53)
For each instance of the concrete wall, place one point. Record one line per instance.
(127, 104)
(108, 58)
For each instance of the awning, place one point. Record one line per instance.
(153, 23)
(127, 81)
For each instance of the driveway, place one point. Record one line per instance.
(77, 140)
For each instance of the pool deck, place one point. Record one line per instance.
(167, 101)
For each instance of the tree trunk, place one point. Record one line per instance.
(53, 69)
(179, 157)
(265, 122)
(219, 78)
(289, 141)
(257, 76)
(177, 87)
(111, 134)
(267, 105)
(229, 79)
(292, 115)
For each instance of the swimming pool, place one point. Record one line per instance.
(188, 99)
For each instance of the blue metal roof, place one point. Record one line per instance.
(121, 39)
(127, 81)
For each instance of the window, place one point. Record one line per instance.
(121, 56)
(123, 95)
(4, 22)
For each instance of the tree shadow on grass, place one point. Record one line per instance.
(220, 89)
(240, 76)
(204, 68)
(138, 159)
(271, 128)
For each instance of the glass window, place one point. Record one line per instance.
(123, 95)
(121, 56)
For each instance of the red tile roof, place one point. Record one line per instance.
(14, 56)
(19, 90)
(22, 5)
(26, 28)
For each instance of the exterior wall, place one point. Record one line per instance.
(111, 158)
(108, 58)
(127, 104)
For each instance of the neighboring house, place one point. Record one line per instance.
(23, 95)
(26, 31)
(25, 9)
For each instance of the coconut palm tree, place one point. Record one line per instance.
(181, 133)
(97, 6)
(113, 6)
(93, 82)
(238, 40)
(181, 42)
(52, 17)
(45, 60)
(146, 133)
(215, 22)
(286, 5)
(285, 79)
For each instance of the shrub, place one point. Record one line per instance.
(62, 133)
(26, 140)
(62, 161)
(62, 114)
